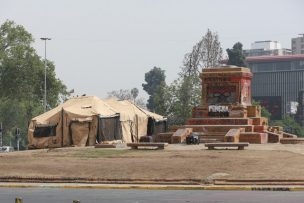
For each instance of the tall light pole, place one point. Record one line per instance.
(45, 39)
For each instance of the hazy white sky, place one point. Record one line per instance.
(99, 46)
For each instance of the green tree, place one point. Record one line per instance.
(131, 95)
(236, 56)
(289, 125)
(134, 93)
(185, 94)
(186, 90)
(154, 78)
(205, 53)
(161, 98)
(22, 80)
(264, 112)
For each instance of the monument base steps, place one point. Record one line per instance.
(219, 121)
(292, 141)
(274, 137)
(218, 128)
(209, 140)
(254, 137)
(219, 138)
(259, 121)
(260, 128)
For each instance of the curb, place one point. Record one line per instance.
(153, 187)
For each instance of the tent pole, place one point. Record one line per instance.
(62, 127)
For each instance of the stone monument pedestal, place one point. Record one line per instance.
(226, 104)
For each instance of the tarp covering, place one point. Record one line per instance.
(134, 122)
(82, 121)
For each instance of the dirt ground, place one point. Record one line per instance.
(266, 161)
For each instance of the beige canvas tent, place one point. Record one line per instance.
(84, 121)
(136, 121)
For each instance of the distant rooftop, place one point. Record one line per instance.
(266, 45)
(274, 58)
(265, 41)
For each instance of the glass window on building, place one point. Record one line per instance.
(283, 65)
(301, 64)
(264, 67)
(296, 65)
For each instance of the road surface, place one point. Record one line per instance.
(54, 195)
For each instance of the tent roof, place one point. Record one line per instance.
(85, 106)
(91, 105)
(129, 109)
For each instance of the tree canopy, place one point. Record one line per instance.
(126, 94)
(177, 99)
(22, 80)
(154, 78)
(207, 52)
(289, 125)
(187, 90)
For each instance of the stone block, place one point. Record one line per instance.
(254, 137)
(260, 128)
(259, 121)
(237, 114)
(199, 112)
(242, 130)
(180, 135)
(292, 141)
(274, 137)
(276, 129)
(218, 128)
(219, 121)
(163, 137)
(233, 135)
(254, 111)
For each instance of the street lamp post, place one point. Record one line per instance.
(45, 39)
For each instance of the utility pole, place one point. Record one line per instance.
(18, 137)
(45, 39)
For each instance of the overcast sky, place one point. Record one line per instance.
(100, 46)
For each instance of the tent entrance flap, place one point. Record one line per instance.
(155, 127)
(109, 128)
(79, 133)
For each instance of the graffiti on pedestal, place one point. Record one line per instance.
(221, 94)
(218, 111)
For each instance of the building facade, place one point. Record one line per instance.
(277, 81)
(297, 45)
(266, 48)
